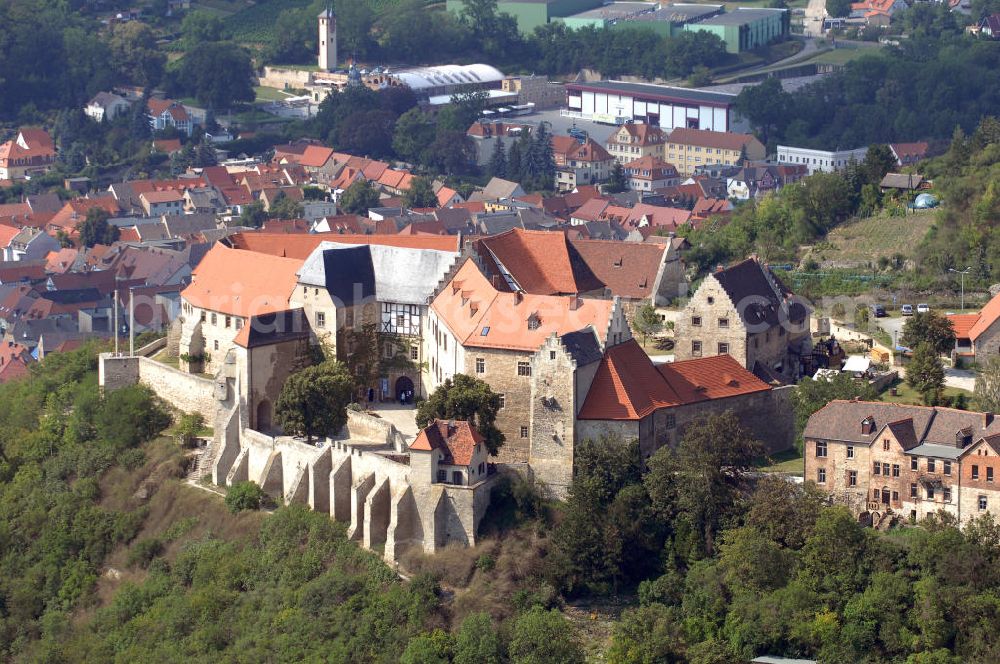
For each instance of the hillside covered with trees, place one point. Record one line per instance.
(106, 554)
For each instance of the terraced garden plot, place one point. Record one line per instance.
(859, 242)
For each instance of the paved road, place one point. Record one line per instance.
(893, 325)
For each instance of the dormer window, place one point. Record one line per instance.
(868, 426)
(534, 322)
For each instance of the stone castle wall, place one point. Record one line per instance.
(183, 391)
(385, 501)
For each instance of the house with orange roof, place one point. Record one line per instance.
(577, 163)
(446, 196)
(451, 452)
(160, 203)
(635, 399)
(32, 151)
(877, 12)
(547, 263)
(688, 149)
(75, 211)
(907, 154)
(650, 173)
(527, 348)
(14, 361)
(228, 287)
(165, 113)
(977, 335)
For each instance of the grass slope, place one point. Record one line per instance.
(859, 242)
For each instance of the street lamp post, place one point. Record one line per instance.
(963, 273)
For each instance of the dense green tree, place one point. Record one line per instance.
(451, 153)
(648, 634)
(217, 74)
(354, 28)
(987, 389)
(930, 327)
(925, 373)
(498, 159)
(538, 162)
(515, 164)
(253, 215)
(544, 637)
(646, 321)
(359, 197)
(244, 496)
(314, 400)
(465, 398)
(477, 641)
(617, 183)
(433, 648)
(838, 8)
(134, 54)
(420, 194)
(879, 160)
(368, 133)
(201, 26)
(95, 229)
(285, 207)
(414, 133)
(701, 478)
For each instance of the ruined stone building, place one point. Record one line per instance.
(746, 312)
(886, 460)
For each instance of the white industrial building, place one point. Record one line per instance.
(617, 102)
(820, 160)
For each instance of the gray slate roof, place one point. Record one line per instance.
(402, 275)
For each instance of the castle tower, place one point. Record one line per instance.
(327, 39)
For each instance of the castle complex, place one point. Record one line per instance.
(565, 366)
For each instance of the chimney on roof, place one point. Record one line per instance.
(987, 420)
(574, 303)
(518, 297)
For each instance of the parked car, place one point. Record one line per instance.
(906, 310)
(877, 310)
(922, 308)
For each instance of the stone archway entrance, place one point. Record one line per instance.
(404, 385)
(264, 415)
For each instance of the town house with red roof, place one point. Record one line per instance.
(977, 335)
(31, 151)
(165, 113)
(886, 461)
(687, 149)
(580, 163)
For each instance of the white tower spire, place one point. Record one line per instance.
(327, 39)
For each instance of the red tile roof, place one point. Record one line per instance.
(480, 316)
(988, 316)
(7, 233)
(723, 140)
(315, 156)
(538, 260)
(242, 283)
(168, 145)
(628, 386)
(963, 324)
(456, 438)
(646, 134)
(300, 246)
